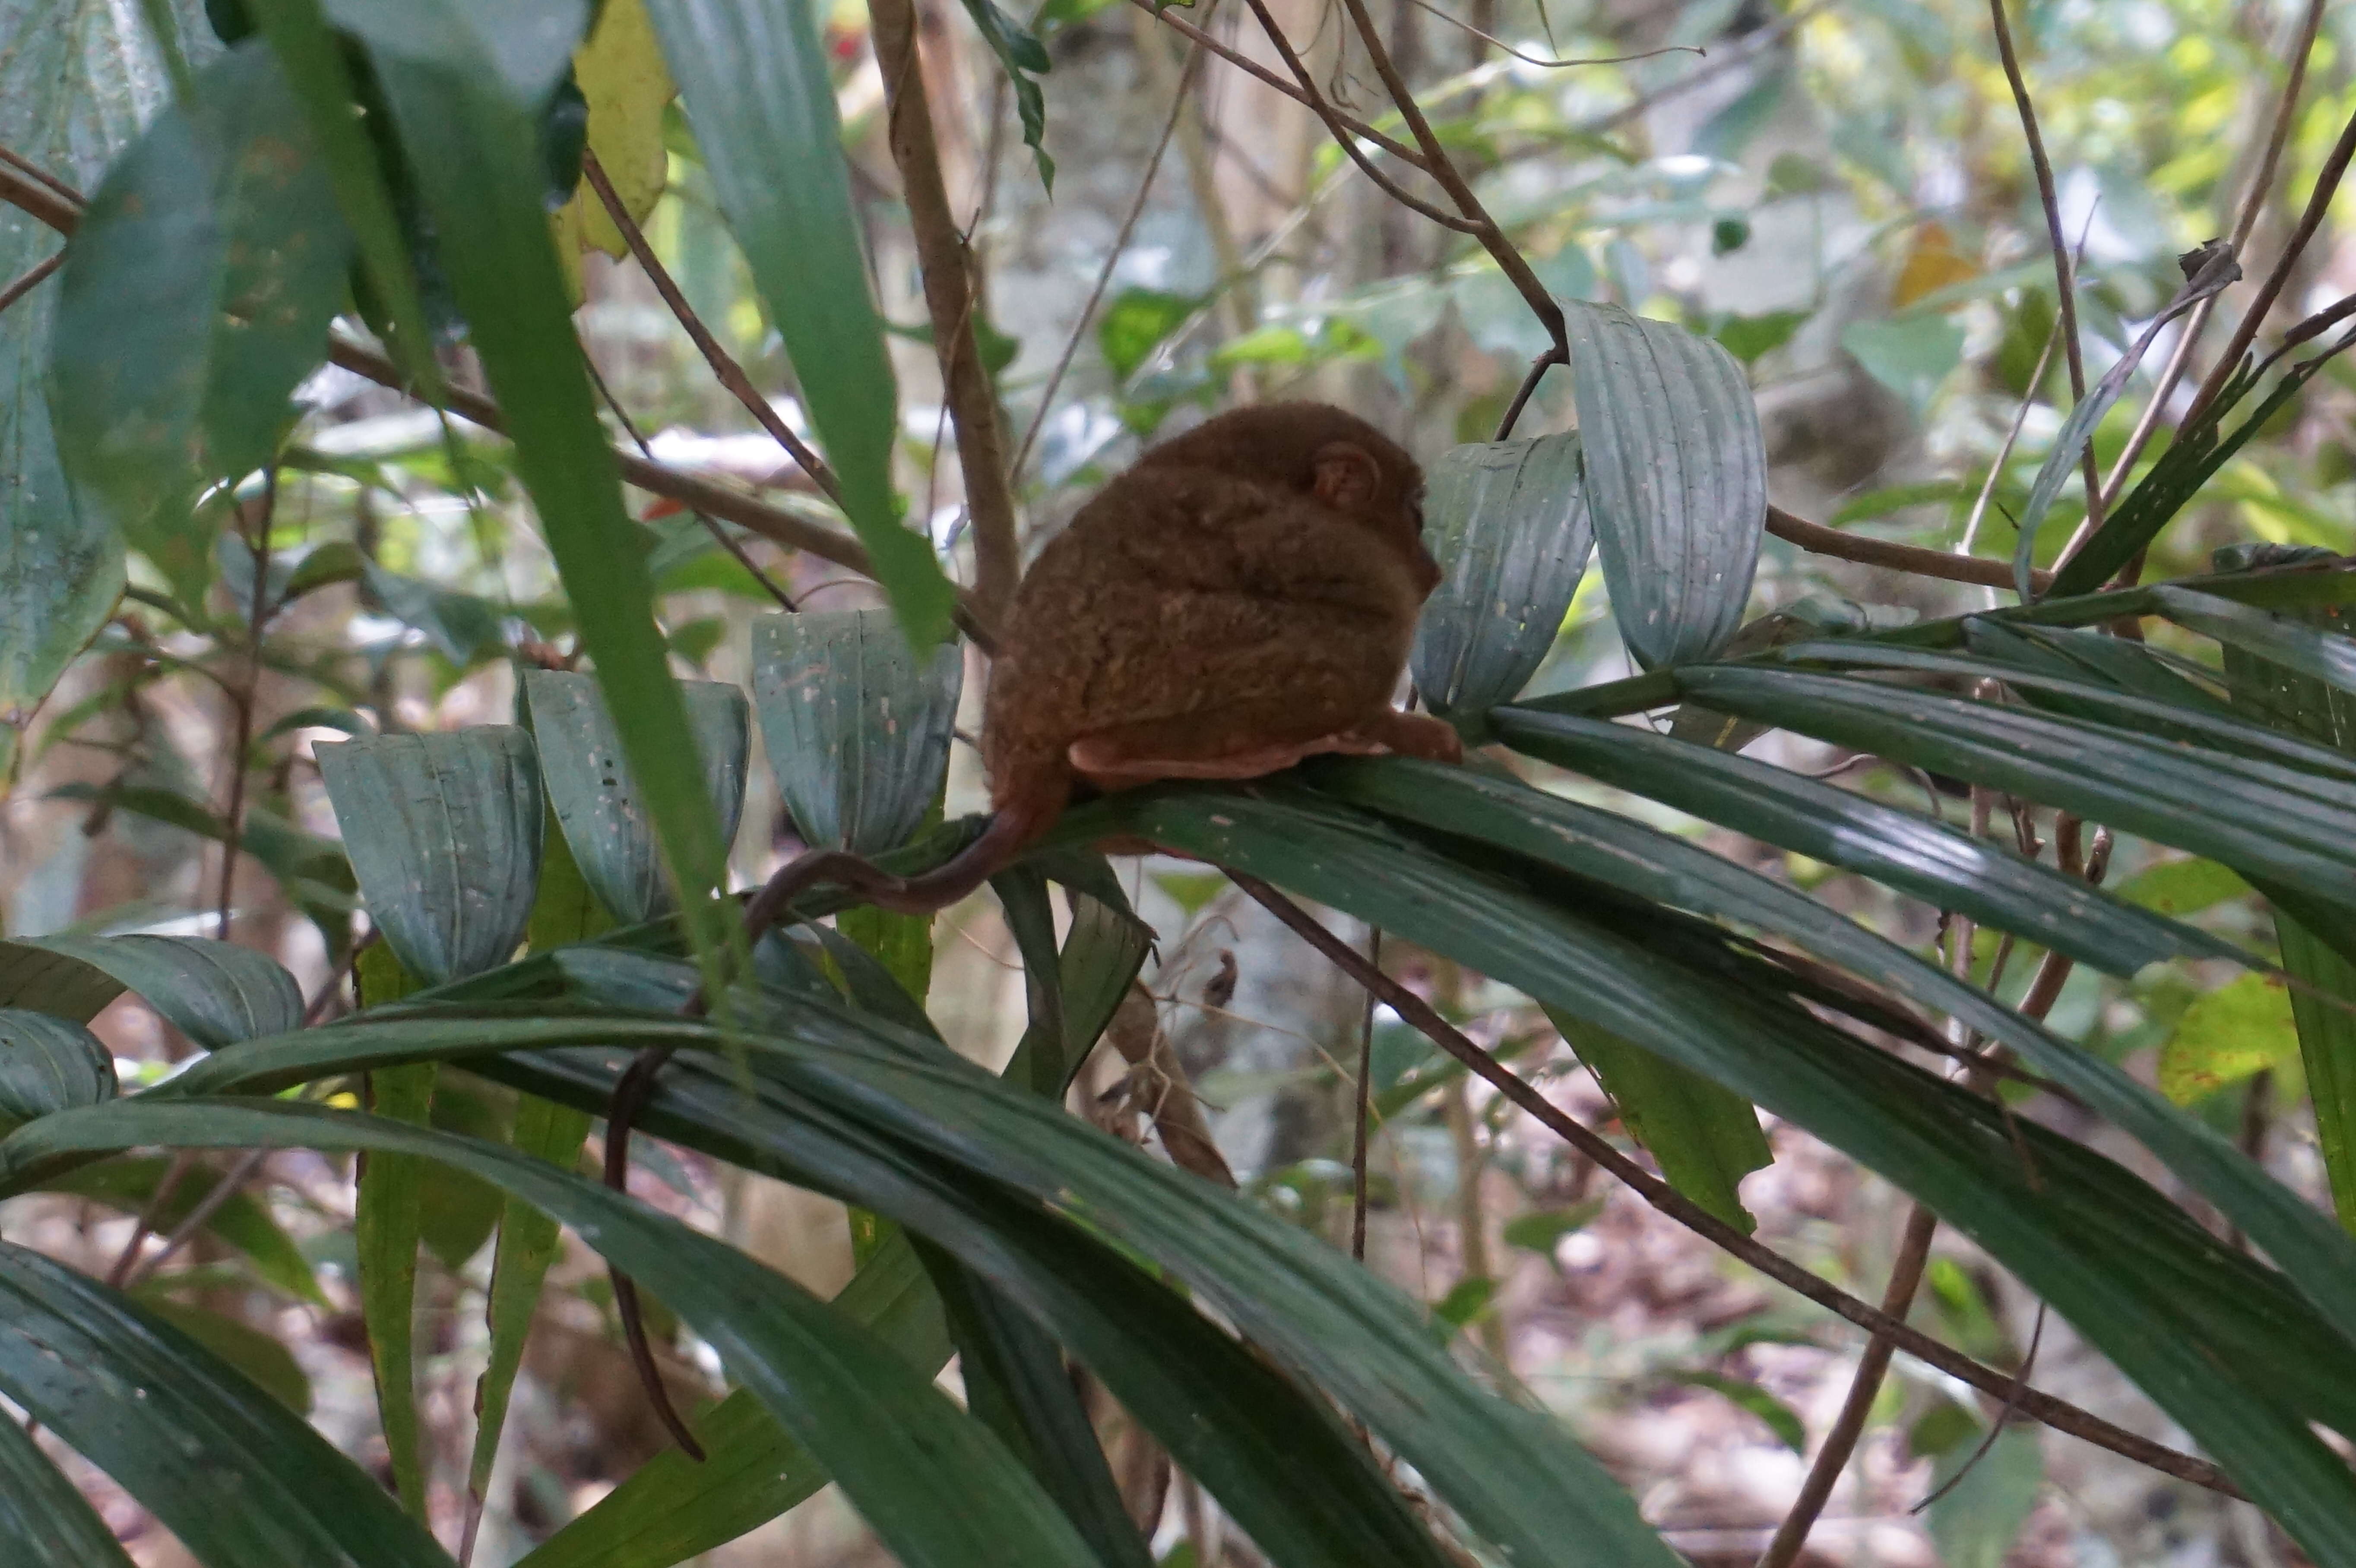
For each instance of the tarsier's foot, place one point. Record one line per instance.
(1104, 765)
(1415, 735)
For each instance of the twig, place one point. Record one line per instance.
(719, 535)
(1818, 539)
(26, 166)
(2318, 202)
(2063, 279)
(730, 374)
(2060, 1415)
(950, 291)
(199, 1214)
(1235, 292)
(1365, 1107)
(1538, 368)
(241, 700)
(31, 278)
(1111, 260)
(1508, 257)
(1995, 1427)
(1746, 50)
(1463, 26)
(175, 1172)
(1136, 1032)
(1168, 18)
(1864, 1387)
(2252, 202)
(1317, 104)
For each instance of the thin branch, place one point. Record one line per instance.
(1168, 17)
(26, 166)
(1538, 368)
(2318, 202)
(1111, 262)
(175, 1172)
(1508, 257)
(2060, 1415)
(1996, 1428)
(730, 374)
(241, 700)
(1818, 539)
(1364, 1110)
(2063, 272)
(719, 535)
(200, 1214)
(1309, 95)
(1543, 63)
(31, 278)
(1864, 1388)
(951, 292)
(2254, 201)
(1747, 49)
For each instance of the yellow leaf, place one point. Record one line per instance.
(2236, 1030)
(621, 72)
(1933, 263)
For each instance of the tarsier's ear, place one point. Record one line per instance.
(1347, 477)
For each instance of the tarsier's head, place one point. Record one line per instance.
(1321, 451)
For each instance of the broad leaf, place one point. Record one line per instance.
(1704, 1138)
(443, 832)
(590, 788)
(1507, 522)
(894, 1442)
(855, 723)
(215, 993)
(1677, 479)
(468, 86)
(752, 77)
(196, 294)
(230, 1471)
(50, 1064)
(45, 1522)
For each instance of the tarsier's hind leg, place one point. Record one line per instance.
(1412, 735)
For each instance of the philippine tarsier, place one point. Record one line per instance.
(1240, 599)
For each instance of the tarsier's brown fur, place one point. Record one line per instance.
(1241, 598)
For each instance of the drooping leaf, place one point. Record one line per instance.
(1677, 479)
(45, 1522)
(50, 1064)
(620, 70)
(465, 627)
(1941, 865)
(1778, 1417)
(752, 77)
(443, 832)
(1975, 1525)
(894, 1442)
(196, 295)
(232, 1473)
(1511, 1472)
(215, 993)
(1024, 60)
(1507, 522)
(590, 789)
(1016, 1383)
(466, 87)
(1706, 1138)
(387, 1220)
(856, 725)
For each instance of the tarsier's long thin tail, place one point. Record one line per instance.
(1030, 808)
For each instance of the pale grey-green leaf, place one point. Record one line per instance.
(589, 785)
(1677, 479)
(855, 725)
(1507, 522)
(444, 835)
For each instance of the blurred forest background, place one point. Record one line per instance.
(1837, 191)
